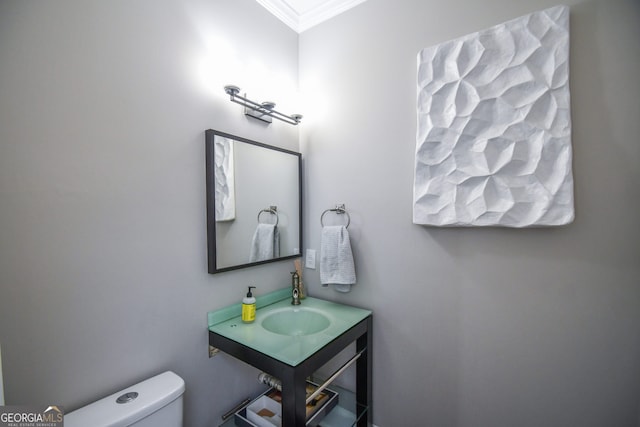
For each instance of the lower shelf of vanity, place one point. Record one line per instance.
(344, 414)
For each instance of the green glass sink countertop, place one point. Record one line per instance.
(291, 350)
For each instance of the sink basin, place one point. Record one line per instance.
(295, 322)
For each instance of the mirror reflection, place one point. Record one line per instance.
(254, 202)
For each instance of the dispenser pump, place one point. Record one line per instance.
(249, 294)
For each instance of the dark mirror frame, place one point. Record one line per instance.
(210, 134)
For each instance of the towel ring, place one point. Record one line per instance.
(272, 210)
(339, 209)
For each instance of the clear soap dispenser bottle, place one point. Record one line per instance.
(249, 307)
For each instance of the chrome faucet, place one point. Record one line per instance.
(295, 284)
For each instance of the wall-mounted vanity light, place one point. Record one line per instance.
(263, 111)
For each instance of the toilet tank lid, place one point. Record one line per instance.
(153, 394)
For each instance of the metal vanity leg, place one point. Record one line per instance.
(294, 408)
(364, 370)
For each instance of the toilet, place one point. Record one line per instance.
(156, 402)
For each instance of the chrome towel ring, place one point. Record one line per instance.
(272, 210)
(339, 209)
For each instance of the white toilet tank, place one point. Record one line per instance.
(158, 403)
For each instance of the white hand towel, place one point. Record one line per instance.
(336, 259)
(265, 244)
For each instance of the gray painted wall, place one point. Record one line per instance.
(102, 215)
(103, 272)
(482, 327)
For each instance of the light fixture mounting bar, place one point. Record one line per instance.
(262, 111)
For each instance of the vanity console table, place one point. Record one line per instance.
(294, 359)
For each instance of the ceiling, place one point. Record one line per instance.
(304, 14)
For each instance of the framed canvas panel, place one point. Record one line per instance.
(493, 141)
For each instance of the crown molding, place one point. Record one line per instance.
(302, 22)
(283, 12)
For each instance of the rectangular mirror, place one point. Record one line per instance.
(254, 202)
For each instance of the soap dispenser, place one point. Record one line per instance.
(249, 307)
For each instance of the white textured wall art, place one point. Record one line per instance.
(225, 197)
(494, 128)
